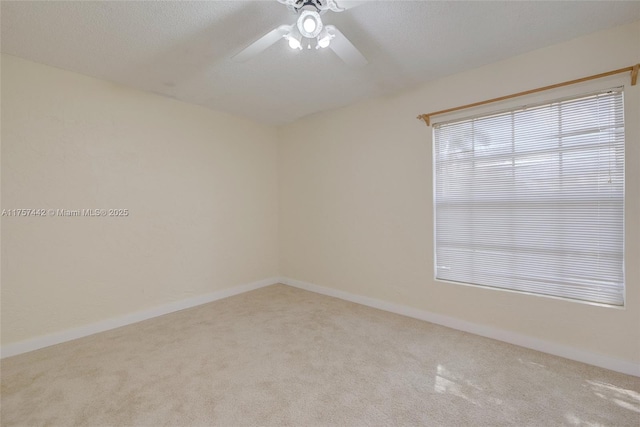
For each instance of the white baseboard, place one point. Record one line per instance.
(105, 325)
(572, 353)
(607, 362)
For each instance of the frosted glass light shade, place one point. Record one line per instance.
(309, 24)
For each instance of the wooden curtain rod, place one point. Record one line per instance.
(634, 78)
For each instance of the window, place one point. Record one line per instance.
(532, 199)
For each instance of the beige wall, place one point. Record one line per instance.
(356, 210)
(200, 186)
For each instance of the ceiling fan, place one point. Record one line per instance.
(307, 28)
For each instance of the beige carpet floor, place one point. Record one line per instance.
(282, 356)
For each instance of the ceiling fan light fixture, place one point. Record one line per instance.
(324, 39)
(294, 38)
(309, 24)
(322, 43)
(294, 43)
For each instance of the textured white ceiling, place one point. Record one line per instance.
(182, 49)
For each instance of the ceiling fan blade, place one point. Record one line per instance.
(342, 5)
(341, 45)
(262, 43)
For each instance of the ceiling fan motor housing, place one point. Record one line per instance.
(309, 5)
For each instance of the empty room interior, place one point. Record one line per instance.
(320, 212)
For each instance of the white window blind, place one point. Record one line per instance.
(532, 199)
